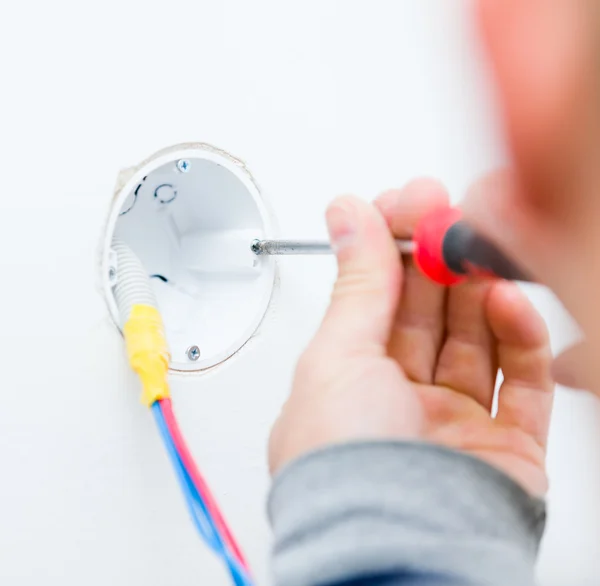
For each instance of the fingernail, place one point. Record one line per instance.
(386, 202)
(342, 224)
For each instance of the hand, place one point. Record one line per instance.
(402, 358)
(546, 213)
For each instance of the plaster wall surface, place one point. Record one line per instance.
(319, 97)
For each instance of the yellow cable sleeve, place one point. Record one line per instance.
(148, 352)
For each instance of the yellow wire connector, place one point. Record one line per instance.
(148, 352)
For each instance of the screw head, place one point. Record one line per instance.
(183, 165)
(193, 353)
(112, 273)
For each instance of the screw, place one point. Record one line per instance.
(183, 165)
(193, 353)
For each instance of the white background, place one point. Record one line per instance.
(318, 97)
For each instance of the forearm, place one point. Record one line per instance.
(397, 513)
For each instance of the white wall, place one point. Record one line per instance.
(319, 97)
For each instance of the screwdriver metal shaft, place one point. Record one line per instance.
(299, 247)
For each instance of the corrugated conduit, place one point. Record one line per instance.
(132, 285)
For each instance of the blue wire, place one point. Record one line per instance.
(202, 525)
(197, 508)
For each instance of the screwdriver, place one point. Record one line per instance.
(445, 249)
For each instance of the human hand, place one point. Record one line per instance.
(545, 214)
(399, 357)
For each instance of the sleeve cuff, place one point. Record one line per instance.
(385, 508)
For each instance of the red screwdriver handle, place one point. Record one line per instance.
(448, 251)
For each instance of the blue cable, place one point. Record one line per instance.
(202, 525)
(196, 506)
(200, 517)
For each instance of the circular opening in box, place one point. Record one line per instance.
(191, 216)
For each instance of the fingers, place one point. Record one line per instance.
(526, 395)
(365, 295)
(346, 388)
(467, 362)
(418, 328)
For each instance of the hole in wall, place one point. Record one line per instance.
(191, 216)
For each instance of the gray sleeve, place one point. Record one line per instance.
(409, 513)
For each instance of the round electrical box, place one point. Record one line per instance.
(190, 214)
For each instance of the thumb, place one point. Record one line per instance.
(366, 293)
(570, 368)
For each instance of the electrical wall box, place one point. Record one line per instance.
(190, 213)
